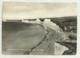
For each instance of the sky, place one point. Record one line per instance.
(26, 10)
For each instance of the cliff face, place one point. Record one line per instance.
(27, 38)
